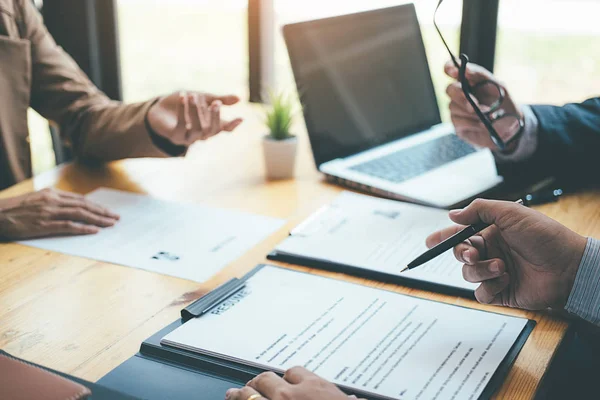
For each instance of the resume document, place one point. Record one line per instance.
(188, 241)
(369, 341)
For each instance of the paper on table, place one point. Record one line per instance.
(188, 241)
(378, 234)
(365, 339)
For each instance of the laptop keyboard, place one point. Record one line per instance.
(414, 161)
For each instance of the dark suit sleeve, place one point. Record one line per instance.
(569, 140)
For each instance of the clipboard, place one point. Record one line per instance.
(163, 372)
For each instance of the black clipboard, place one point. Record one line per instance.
(162, 372)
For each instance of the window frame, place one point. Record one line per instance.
(479, 29)
(88, 30)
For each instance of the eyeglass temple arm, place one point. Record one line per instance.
(454, 60)
(466, 90)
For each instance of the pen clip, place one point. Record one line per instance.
(217, 296)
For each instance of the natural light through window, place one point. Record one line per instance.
(168, 45)
(547, 50)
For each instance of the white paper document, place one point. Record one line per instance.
(370, 341)
(377, 234)
(188, 241)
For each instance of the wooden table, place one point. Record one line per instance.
(85, 317)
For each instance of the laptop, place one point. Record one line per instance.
(372, 114)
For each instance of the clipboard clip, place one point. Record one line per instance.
(217, 296)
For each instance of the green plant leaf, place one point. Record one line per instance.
(280, 115)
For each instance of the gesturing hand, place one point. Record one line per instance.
(297, 384)
(51, 212)
(185, 118)
(466, 123)
(524, 259)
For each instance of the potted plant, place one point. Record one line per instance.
(279, 146)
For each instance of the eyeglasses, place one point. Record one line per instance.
(486, 97)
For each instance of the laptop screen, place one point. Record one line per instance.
(363, 80)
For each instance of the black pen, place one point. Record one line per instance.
(448, 244)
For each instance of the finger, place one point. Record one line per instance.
(475, 137)
(231, 125)
(476, 73)
(182, 110)
(242, 394)
(194, 114)
(68, 228)
(437, 237)
(227, 100)
(82, 202)
(269, 384)
(45, 197)
(468, 124)
(457, 96)
(484, 271)
(469, 129)
(68, 195)
(297, 374)
(479, 244)
(466, 253)
(464, 126)
(459, 113)
(486, 211)
(78, 214)
(458, 110)
(487, 292)
(215, 117)
(204, 113)
(451, 70)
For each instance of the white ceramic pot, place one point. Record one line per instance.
(280, 157)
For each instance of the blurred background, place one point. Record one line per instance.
(161, 46)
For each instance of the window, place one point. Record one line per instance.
(42, 152)
(547, 50)
(169, 45)
(449, 20)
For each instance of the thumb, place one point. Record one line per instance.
(475, 73)
(487, 211)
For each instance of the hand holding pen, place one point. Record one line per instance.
(521, 258)
(539, 197)
(455, 240)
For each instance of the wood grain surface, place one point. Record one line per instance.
(85, 317)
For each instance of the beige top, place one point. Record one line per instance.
(35, 72)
